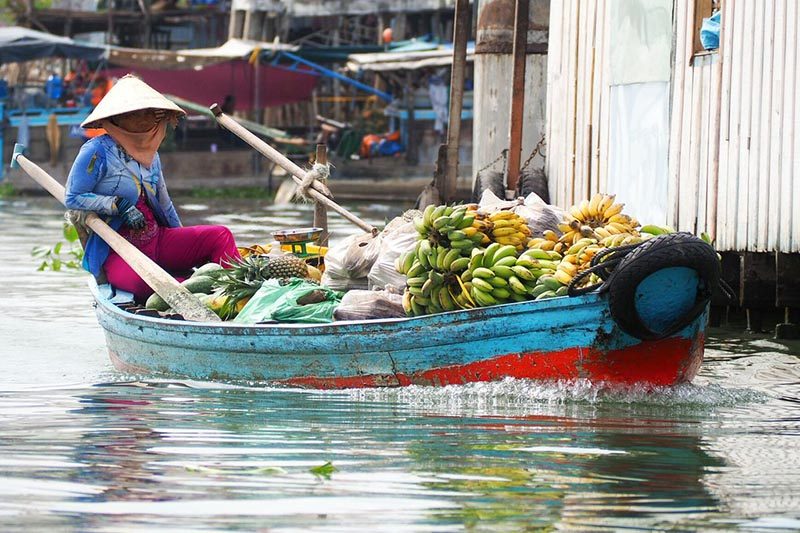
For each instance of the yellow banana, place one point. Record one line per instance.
(594, 204)
(584, 207)
(502, 215)
(605, 203)
(502, 232)
(601, 232)
(550, 235)
(562, 277)
(615, 209)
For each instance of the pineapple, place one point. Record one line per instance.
(288, 266)
(244, 277)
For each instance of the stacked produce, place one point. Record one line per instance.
(226, 290)
(453, 227)
(509, 228)
(466, 259)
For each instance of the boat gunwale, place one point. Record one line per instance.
(383, 325)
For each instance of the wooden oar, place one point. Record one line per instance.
(297, 173)
(156, 277)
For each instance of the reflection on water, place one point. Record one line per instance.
(85, 448)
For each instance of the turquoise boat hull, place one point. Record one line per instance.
(557, 339)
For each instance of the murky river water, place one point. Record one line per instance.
(85, 448)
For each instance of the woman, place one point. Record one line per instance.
(118, 175)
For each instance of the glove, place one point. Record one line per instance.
(131, 217)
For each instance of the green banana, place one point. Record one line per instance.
(426, 288)
(483, 285)
(419, 225)
(416, 269)
(416, 291)
(446, 301)
(408, 261)
(652, 229)
(456, 235)
(562, 291)
(424, 253)
(416, 308)
(488, 254)
(426, 215)
(505, 261)
(536, 253)
(449, 257)
(536, 291)
(436, 277)
(482, 272)
(518, 297)
(501, 293)
(502, 271)
(462, 244)
(497, 281)
(459, 264)
(550, 282)
(516, 285)
(466, 221)
(504, 251)
(523, 273)
(441, 222)
(457, 216)
(483, 298)
(417, 281)
(545, 295)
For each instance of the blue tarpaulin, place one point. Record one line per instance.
(23, 44)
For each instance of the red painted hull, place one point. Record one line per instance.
(663, 362)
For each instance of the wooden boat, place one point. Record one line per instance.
(557, 339)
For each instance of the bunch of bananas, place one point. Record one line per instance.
(577, 258)
(508, 228)
(497, 275)
(433, 281)
(597, 218)
(458, 227)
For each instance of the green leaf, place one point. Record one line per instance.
(40, 251)
(324, 471)
(56, 264)
(42, 267)
(70, 233)
(57, 248)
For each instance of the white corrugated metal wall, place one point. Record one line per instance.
(578, 99)
(733, 118)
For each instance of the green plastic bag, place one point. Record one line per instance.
(274, 301)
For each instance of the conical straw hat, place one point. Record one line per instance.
(128, 94)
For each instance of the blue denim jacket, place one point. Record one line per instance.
(103, 171)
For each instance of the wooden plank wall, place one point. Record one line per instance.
(578, 100)
(733, 141)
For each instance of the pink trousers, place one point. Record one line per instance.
(176, 250)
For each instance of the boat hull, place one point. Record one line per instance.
(561, 338)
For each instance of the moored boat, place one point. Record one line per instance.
(560, 338)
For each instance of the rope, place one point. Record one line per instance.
(318, 173)
(536, 150)
(603, 268)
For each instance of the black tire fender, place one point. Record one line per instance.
(663, 251)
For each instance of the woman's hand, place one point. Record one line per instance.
(131, 216)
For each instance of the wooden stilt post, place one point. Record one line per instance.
(447, 188)
(517, 94)
(320, 210)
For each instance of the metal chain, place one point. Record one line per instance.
(503, 155)
(536, 150)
